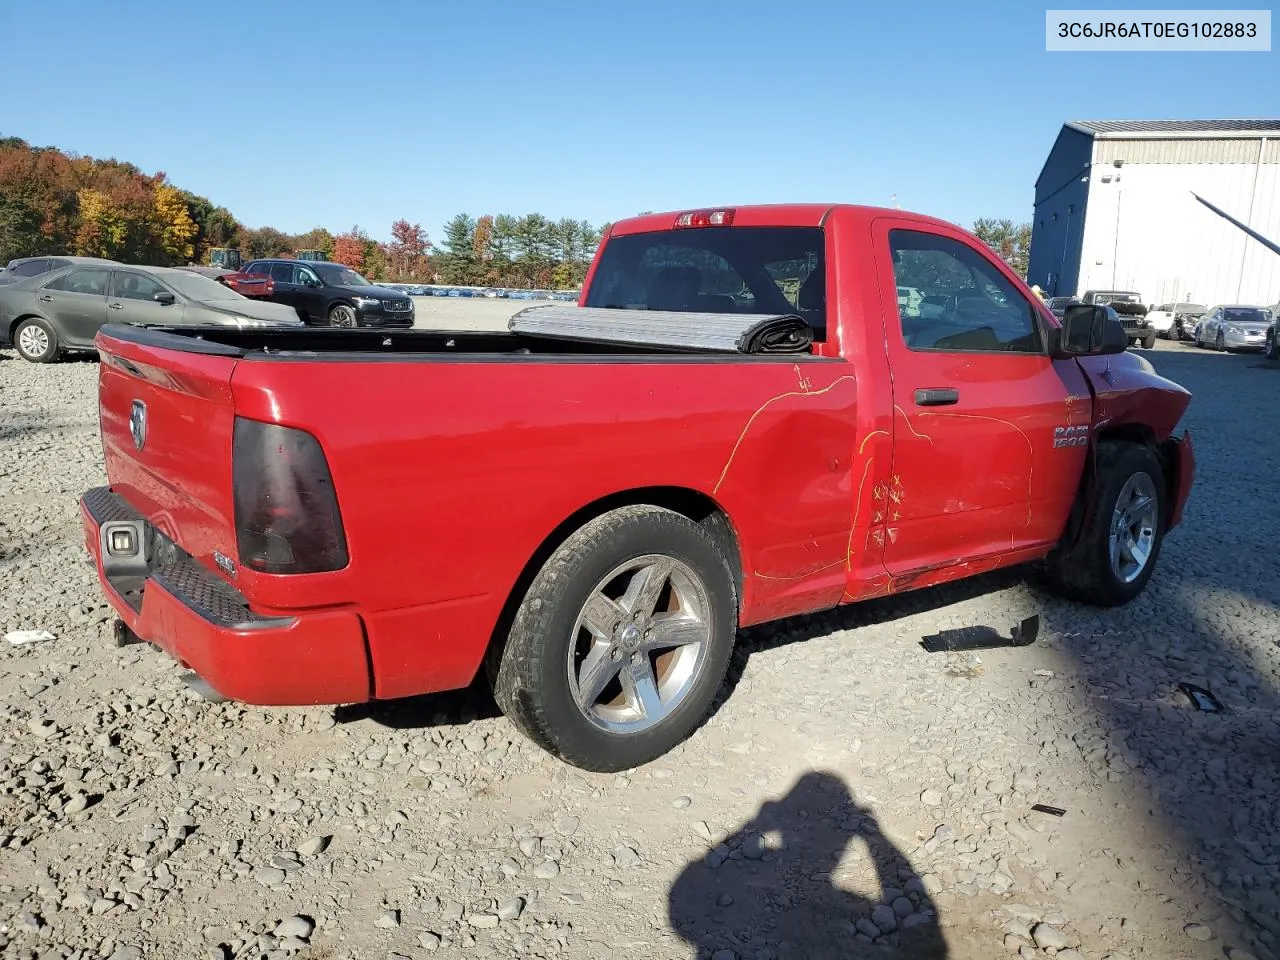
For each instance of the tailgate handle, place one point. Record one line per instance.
(937, 397)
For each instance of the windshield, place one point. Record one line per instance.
(1244, 315)
(716, 270)
(336, 275)
(199, 287)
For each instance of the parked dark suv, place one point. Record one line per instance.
(25, 267)
(330, 293)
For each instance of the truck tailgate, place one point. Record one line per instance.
(166, 418)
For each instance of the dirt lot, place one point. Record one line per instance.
(852, 796)
(467, 313)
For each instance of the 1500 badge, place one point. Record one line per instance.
(1077, 436)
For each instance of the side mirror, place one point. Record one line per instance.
(1088, 330)
(164, 296)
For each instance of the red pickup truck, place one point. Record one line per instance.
(333, 516)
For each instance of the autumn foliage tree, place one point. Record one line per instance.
(406, 255)
(349, 248)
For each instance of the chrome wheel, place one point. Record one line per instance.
(33, 341)
(1133, 528)
(639, 644)
(342, 316)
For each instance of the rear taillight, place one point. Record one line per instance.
(287, 518)
(705, 218)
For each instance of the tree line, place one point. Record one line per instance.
(52, 202)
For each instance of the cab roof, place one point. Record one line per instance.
(774, 215)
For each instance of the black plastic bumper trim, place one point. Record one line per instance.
(177, 572)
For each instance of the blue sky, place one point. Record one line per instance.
(334, 114)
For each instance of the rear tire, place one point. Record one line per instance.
(1273, 348)
(542, 679)
(35, 341)
(1103, 568)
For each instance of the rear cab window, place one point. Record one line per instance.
(752, 270)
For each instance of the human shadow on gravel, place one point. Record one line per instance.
(775, 894)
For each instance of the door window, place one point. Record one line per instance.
(960, 302)
(282, 272)
(89, 280)
(136, 286)
(306, 275)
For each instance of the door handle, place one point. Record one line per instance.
(46, 299)
(115, 306)
(937, 397)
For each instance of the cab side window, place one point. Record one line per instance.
(89, 280)
(952, 299)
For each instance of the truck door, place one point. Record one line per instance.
(310, 298)
(986, 454)
(285, 274)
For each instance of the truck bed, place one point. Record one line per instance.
(559, 332)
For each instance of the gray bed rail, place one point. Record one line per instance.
(723, 332)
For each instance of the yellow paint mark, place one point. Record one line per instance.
(759, 410)
(1031, 450)
(857, 506)
(801, 380)
(914, 431)
(865, 440)
(825, 566)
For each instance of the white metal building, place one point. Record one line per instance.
(1115, 210)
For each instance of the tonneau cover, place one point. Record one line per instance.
(723, 332)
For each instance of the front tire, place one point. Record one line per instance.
(342, 315)
(36, 341)
(1221, 343)
(1150, 342)
(1116, 552)
(622, 640)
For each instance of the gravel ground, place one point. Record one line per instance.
(888, 814)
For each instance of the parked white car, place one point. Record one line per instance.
(1176, 321)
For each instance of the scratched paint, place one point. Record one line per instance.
(803, 392)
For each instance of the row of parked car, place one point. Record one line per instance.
(434, 290)
(1222, 327)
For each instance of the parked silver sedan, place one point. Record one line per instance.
(1234, 327)
(44, 316)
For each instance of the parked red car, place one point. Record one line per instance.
(249, 285)
(591, 520)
